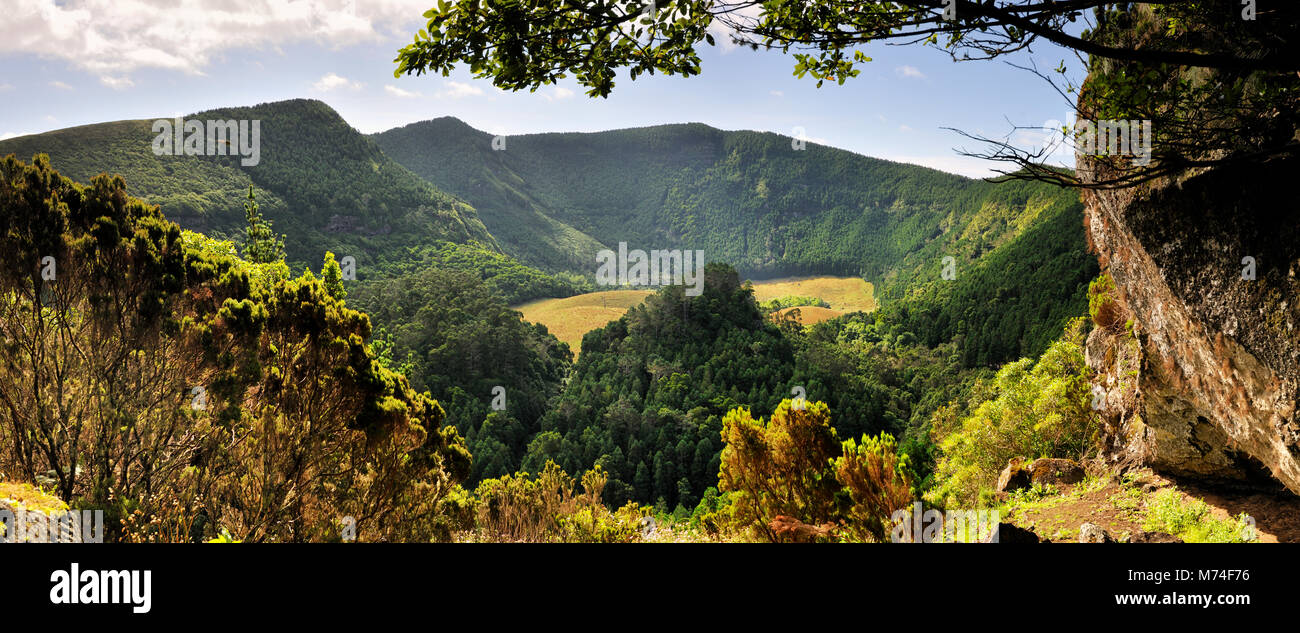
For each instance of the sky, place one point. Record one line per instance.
(65, 63)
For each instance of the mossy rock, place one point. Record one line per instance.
(18, 499)
(1015, 476)
(1055, 472)
(30, 498)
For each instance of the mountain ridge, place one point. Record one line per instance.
(555, 198)
(322, 182)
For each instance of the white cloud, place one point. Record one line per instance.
(9, 135)
(777, 93)
(60, 85)
(904, 128)
(398, 92)
(722, 35)
(557, 93)
(909, 72)
(6, 87)
(457, 90)
(333, 82)
(116, 37)
(116, 83)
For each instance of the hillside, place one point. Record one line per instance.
(746, 198)
(1011, 303)
(322, 183)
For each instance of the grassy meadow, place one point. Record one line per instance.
(572, 317)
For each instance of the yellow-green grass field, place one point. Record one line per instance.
(572, 317)
(845, 294)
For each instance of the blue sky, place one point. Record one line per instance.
(102, 60)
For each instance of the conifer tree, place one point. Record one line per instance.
(332, 274)
(261, 246)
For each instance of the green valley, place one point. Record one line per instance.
(635, 383)
(746, 198)
(555, 272)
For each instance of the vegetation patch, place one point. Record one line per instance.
(806, 315)
(1032, 408)
(31, 498)
(1191, 519)
(846, 294)
(570, 318)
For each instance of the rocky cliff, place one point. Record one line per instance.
(1204, 380)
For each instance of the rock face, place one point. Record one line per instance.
(1093, 533)
(1045, 471)
(1055, 472)
(796, 531)
(1206, 381)
(1012, 533)
(1014, 477)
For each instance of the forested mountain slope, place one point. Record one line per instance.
(1011, 303)
(454, 337)
(747, 198)
(647, 398)
(322, 183)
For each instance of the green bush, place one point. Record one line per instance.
(1037, 409)
(790, 301)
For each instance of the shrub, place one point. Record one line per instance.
(197, 389)
(791, 479)
(779, 467)
(1103, 304)
(876, 480)
(546, 508)
(1037, 409)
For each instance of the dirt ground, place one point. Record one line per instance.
(1277, 516)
